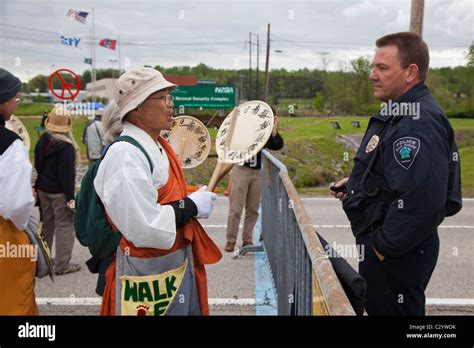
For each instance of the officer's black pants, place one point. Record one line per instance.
(396, 286)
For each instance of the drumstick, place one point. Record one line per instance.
(181, 149)
(223, 168)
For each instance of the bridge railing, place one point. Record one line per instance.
(304, 279)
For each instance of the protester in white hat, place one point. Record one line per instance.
(149, 206)
(17, 272)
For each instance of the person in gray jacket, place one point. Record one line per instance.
(93, 137)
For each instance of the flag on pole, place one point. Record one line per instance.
(77, 15)
(88, 61)
(70, 41)
(108, 43)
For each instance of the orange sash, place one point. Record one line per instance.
(204, 250)
(17, 274)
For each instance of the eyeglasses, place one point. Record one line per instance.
(18, 100)
(168, 98)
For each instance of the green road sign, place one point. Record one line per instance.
(211, 97)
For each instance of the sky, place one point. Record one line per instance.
(304, 34)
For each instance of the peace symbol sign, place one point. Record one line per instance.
(66, 92)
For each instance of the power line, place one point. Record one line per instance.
(55, 54)
(130, 43)
(303, 43)
(85, 41)
(26, 28)
(28, 39)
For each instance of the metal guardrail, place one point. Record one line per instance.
(304, 279)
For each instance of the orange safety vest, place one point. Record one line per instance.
(204, 250)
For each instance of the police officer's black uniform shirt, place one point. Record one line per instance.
(416, 173)
(274, 143)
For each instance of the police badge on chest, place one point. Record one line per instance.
(372, 144)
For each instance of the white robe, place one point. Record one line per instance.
(16, 194)
(129, 191)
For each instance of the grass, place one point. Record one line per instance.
(28, 109)
(314, 158)
(77, 127)
(311, 153)
(467, 170)
(464, 131)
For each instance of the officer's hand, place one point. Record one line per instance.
(71, 205)
(379, 255)
(340, 183)
(204, 202)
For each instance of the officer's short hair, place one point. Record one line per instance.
(412, 50)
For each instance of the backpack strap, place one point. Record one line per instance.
(101, 138)
(132, 141)
(84, 132)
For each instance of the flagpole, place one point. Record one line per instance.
(94, 77)
(92, 47)
(119, 64)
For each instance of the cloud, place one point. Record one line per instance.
(450, 20)
(170, 33)
(363, 9)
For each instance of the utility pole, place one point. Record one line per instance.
(416, 17)
(257, 94)
(265, 89)
(250, 67)
(241, 89)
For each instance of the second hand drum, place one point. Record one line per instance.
(189, 139)
(14, 124)
(241, 136)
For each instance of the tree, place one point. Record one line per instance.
(85, 78)
(319, 102)
(361, 67)
(39, 82)
(336, 92)
(470, 56)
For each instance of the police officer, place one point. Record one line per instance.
(405, 180)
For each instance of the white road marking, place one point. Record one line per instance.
(96, 301)
(232, 301)
(328, 199)
(334, 199)
(450, 301)
(349, 226)
(442, 226)
(69, 301)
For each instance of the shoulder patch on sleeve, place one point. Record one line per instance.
(405, 150)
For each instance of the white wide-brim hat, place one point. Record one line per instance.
(134, 86)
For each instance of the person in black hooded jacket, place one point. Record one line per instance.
(55, 160)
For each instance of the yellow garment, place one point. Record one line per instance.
(17, 271)
(150, 295)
